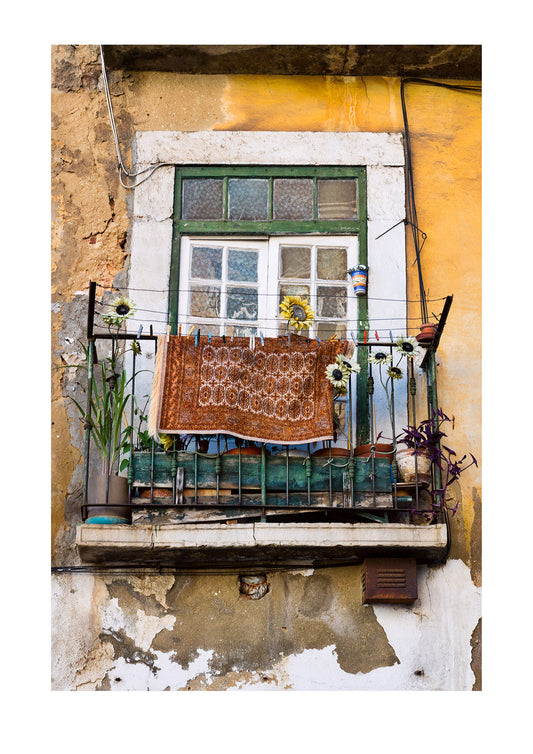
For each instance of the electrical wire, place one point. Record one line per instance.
(411, 213)
(121, 167)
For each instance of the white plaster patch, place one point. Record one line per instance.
(141, 629)
(431, 640)
(167, 675)
(434, 636)
(73, 633)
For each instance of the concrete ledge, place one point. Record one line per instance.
(260, 544)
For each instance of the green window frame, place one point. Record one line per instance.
(271, 226)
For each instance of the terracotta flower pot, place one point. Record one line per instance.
(113, 511)
(335, 452)
(405, 458)
(427, 333)
(248, 450)
(381, 449)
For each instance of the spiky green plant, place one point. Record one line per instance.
(105, 414)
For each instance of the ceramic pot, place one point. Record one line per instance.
(359, 279)
(405, 458)
(335, 452)
(381, 449)
(427, 333)
(246, 450)
(115, 509)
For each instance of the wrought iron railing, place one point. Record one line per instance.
(328, 480)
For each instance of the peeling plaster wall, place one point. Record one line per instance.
(310, 632)
(195, 631)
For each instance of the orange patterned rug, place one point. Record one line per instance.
(271, 393)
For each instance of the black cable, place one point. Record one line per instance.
(410, 194)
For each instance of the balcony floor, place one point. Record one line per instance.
(259, 544)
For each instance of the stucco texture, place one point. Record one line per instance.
(196, 631)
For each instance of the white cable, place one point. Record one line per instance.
(122, 169)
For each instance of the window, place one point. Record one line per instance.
(233, 284)
(226, 184)
(224, 278)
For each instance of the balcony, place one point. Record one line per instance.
(224, 502)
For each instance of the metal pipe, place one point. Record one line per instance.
(287, 474)
(88, 425)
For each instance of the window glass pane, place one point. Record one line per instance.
(293, 199)
(202, 199)
(205, 301)
(331, 302)
(206, 263)
(331, 263)
(295, 262)
(242, 265)
(288, 289)
(248, 198)
(326, 330)
(242, 303)
(205, 326)
(337, 199)
(240, 331)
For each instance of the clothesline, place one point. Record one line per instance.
(129, 291)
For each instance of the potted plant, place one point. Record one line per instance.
(359, 276)
(104, 417)
(424, 448)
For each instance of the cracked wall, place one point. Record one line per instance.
(196, 631)
(310, 631)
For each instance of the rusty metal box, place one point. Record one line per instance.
(390, 580)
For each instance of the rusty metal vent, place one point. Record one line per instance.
(389, 580)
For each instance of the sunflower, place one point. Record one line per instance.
(351, 366)
(121, 309)
(338, 375)
(380, 357)
(407, 347)
(395, 373)
(297, 311)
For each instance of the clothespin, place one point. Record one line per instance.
(317, 339)
(168, 332)
(190, 331)
(262, 339)
(209, 337)
(365, 336)
(376, 334)
(179, 331)
(289, 338)
(390, 333)
(353, 337)
(223, 337)
(196, 338)
(140, 331)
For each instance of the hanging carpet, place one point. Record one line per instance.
(274, 392)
